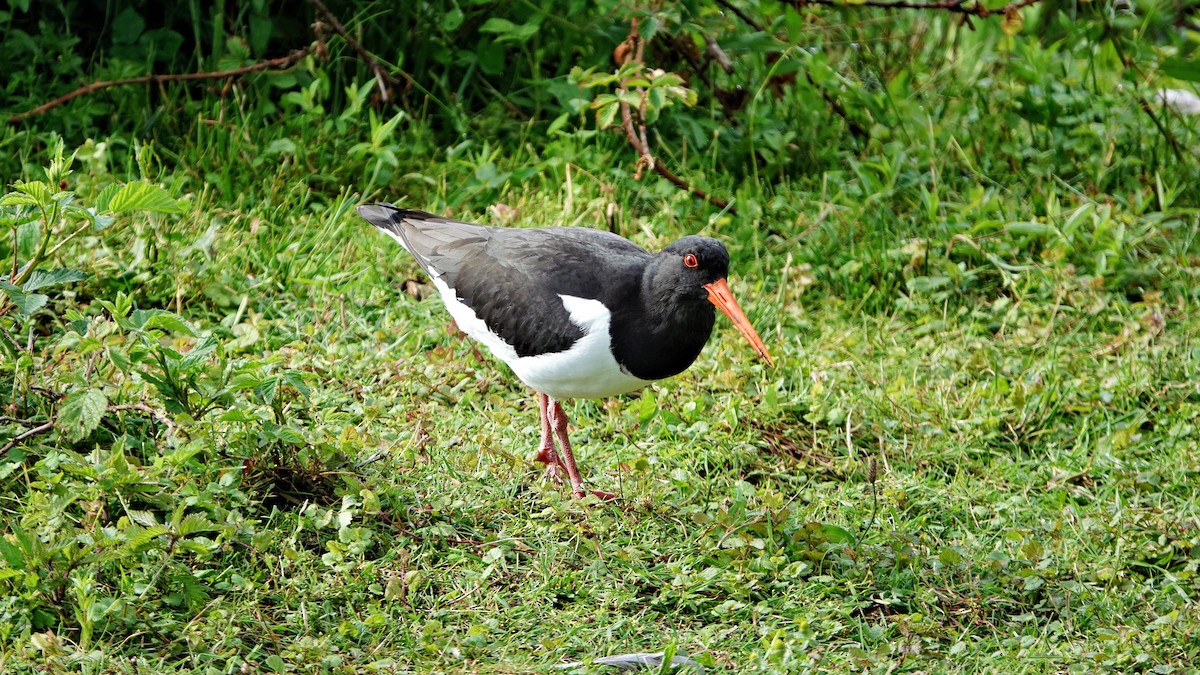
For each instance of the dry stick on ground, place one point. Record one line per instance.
(41, 429)
(637, 138)
(383, 78)
(967, 7)
(856, 129)
(281, 63)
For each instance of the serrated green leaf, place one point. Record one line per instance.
(288, 435)
(105, 196)
(244, 381)
(198, 354)
(43, 278)
(142, 197)
(143, 518)
(26, 303)
(29, 237)
(120, 358)
(146, 536)
(29, 193)
(606, 116)
(268, 389)
(81, 413)
(160, 319)
(17, 199)
(195, 523)
(296, 379)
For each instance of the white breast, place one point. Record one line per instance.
(586, 370)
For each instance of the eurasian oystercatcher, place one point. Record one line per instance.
(576, 313)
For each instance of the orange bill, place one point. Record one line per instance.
(719, 295)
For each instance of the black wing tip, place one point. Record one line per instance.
(388, 216)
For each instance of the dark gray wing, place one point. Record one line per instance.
(512, 278)
(440, 245)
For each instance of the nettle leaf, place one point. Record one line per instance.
(268, 390)
(81, 413)
(286, 434)
(102, 200)
(606, 116)
(169, 322)
(195, 523)
(31, 193)
(57, 277)
(296, 379)
(198, 354)
(143, 518)
(29, 236)
(146, 536)
(142, 197)
(26, 303)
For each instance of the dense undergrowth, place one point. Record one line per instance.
(237, 434)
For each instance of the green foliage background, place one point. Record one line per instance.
(231, 441)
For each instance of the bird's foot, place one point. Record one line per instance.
(558, 474)
(600, 494)
(555, 472)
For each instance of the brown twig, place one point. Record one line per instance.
(953, 6)
(741, 14)
(40, 429)
(383, 78)
(857, 130)
(281, 63)
(638, 139)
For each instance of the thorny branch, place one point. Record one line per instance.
(966, 7)
(383, 78)
(40, 429)
(281, 63)
(633, 50)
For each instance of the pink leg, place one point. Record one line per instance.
(558, 418)
(546, 453)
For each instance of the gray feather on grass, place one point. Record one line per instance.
(637, 661)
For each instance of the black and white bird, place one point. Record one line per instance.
(576, 313)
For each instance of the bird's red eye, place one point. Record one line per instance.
(690, 260)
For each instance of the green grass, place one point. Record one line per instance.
(1034, 493)
(977, 453)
